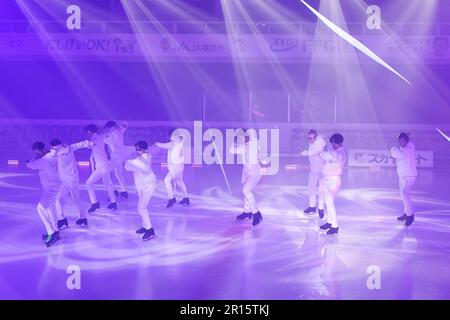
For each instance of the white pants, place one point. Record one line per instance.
(46, 210)
(313, 183)
(249, 199)
(98, 174)
(328, 188)
(144, 198)
(74, 192)
(119, 172)
(176, 177)
(406, 184)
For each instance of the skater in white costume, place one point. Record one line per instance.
(405, 157)
(175, 164)
(145, 181)
(68, 173)
(47, 165)
(114, 138)
(330, 184)
(101, 168)
(317, 145)
(251, 175)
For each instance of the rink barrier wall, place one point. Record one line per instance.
(17, 136)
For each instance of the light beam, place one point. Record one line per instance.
(353, 41)
(443, 134)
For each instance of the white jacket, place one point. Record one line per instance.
(115, 141)
(406, 160)
(141, 166)
(99, 157)
(67, 164)
(334, 162)
(175, 155)
(48, 170)
(316, 163)
(250, 158)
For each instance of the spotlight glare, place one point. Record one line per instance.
(443, 134)
(353, 41)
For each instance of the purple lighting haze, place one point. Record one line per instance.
(213, 129)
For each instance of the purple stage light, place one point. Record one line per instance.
(186, 94)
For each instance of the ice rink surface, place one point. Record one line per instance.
(202, 252)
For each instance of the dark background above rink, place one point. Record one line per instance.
(338, 87)
(101, 90)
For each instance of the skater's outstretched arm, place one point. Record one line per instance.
(36, 163)
(168, 145)
(81, 145)
(120, 129)
(141, 163)
(315, 149)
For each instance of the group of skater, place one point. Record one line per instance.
(59, 176)
(326, 168)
